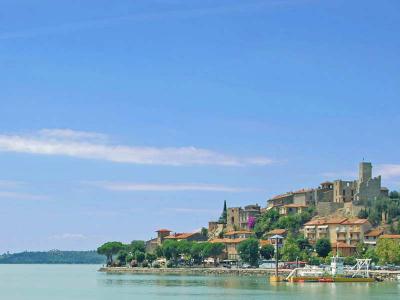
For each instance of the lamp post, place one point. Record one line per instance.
(276, 237)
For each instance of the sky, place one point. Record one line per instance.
(118, 118)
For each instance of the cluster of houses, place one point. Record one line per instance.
(344, 233)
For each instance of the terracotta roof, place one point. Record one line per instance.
(374, 232)
(302, 191)
(239, 232)
(180, 236)
(186, 235)
(355, 221)
(217, 240)
(282, 196)
(235, 241)
(163, 230)
(171, 237)
(390, 236)
(228, 241)
(325, 221)
(264, 243)
(342, 245)
(277, 231)
(326, 182)
(294, 205)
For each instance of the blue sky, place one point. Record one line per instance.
(121, 117)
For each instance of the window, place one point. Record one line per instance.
(344, 192)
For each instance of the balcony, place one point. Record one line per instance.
(355, 229)
(340, 229)
(341, 238)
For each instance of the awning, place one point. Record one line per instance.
(323, 226)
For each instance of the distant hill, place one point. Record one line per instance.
(53, 257)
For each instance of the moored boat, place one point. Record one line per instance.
(360, 273)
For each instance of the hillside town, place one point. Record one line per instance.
(346, 218)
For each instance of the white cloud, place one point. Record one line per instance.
(149, 187)
(71, 134)
(20, 196)
(64, 142)
(388, 171)
(69, 236)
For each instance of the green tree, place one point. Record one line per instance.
(150, 257)
(290, 251)
(159, 251)
(388, 251)
(350, 260)
(109, 249)
(323, 247)
(184, 247)
(122, 256)
(224, 214)
(213, 250)
(267, 251)
(266, 222)
(139, 256)
(170, 250)
(303, 243)
(394, 195)
(248, 251)
(197, 251)
(137, 246)
(204, 232)
(370, 253)
(363, 214)
(374, 217)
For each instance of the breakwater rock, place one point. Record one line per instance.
(192, 271)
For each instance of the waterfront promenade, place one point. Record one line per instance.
(378, 274)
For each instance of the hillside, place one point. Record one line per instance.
(53, 257)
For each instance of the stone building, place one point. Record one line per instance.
(238, 217)
(365, 188)
(187, 236)
(290, 209)
(152, 244)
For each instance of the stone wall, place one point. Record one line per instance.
(327, 208)
(192, 271)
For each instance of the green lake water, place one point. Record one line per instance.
(83, 282)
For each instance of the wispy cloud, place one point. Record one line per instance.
(149, 187)
(340, 174)
(21, 196)
(69, 236)
(71, 134)
(11, 184)
(44, 144)
(184, 210)
(389, 171)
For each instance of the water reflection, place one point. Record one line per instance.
(234, 287)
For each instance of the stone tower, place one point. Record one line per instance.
(365, 171)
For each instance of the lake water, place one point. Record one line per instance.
(83, 282)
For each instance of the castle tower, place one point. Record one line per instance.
(365, 171)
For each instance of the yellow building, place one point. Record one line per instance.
(340, 231)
